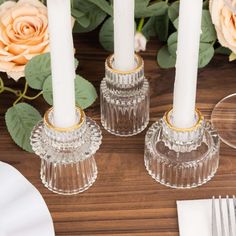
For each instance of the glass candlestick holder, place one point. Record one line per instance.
(181, 158)
(124, 99)
(68, 165)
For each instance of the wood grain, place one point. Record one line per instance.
(125, 200)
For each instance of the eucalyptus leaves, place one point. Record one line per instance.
(154, 19)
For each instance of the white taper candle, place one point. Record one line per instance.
(62, 62)
(124, 35)
(189, 30)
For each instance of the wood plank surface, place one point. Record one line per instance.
(125, 200)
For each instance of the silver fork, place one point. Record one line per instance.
(231, 225)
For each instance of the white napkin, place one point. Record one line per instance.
(23, 211)
(195, 217)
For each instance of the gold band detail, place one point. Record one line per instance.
(138, 59)
(49, 124)
(196, 126)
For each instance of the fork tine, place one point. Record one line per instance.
(214, 223)
(229, 217)
(221, 218)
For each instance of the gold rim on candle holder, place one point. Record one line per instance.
(138, 59)
(49, 124)
(199, 122)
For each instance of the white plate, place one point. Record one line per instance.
(23, 211)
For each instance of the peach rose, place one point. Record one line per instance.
(23, 34)
(224, 20)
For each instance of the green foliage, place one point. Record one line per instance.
(106, 35)
(208, 39)
(85, 93)
(47, 90)
(162, 26)
(20, 120)
(161, 21)
(157, 26)
(208, 30)
(173, 11)
(206, 53)
(37, 70)
(165, 59)
(92, 12)
(223, 51)
(103, 5)
(154, 9)
(172, 44)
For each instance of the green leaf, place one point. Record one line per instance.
(176, 23)
(140, 5)
(84, 21)
(37, 70)
(149, 29)
(77, 13)
(47, 90)
(20, 120)
(104, 5)
(172, 44)
(155, 9)
(106, 35)
(157, 26)
(167, 55)
(173, 11)
(94, 13)
(206, 4)
(206, 53)
(165, 59)
(85, 93)
(162, 26)
(208, 29)
(223, 50)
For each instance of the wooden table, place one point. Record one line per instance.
(125, 200)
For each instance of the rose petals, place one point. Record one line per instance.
(225, 23)
(23, 34)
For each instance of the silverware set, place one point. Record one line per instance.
(224, 216)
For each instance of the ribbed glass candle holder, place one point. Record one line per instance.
(67, 155)
(182, 158)
(124, 99)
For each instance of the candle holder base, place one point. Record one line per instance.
(184, 158)
(68, 165)
(124, 99)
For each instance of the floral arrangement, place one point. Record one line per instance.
(159, 18)
(24, 46)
